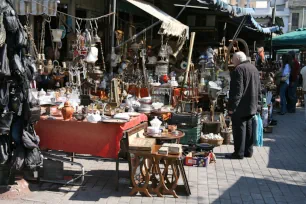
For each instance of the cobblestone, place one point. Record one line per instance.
(276, 174)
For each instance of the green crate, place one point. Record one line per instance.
(192, 135)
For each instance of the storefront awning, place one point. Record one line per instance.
(35, 7)
(232, 10)
(170, 26)
(292, 39)
(238, 12)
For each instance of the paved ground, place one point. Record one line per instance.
(276, 174)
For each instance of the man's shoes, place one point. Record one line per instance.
(280, 113)
(233, 156)
(248, 155)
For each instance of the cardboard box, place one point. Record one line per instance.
(198, 160)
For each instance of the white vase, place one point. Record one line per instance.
(57, 35)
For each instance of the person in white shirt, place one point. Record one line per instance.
(286, 68)
(303, 73)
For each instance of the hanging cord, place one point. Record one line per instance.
(101, 47)
(42, 37)
(78, 18)
(31, 39)
(48, 20)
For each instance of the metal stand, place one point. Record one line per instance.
(71, 181)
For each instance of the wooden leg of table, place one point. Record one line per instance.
(173, 184)
(144, 188)
(165, 173)
(117, 174)
(157, 190)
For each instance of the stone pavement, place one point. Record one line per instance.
(276, 174)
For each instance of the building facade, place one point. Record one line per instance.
(297, 14)
(264, 10)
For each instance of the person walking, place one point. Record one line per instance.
(286, 69)
(303, 73)
(293, 83)
(244, 94)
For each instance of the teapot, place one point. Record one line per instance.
(41, 93)
(94, 117)
(155, 122)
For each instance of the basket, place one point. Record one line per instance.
(217, 142)
(227, 137)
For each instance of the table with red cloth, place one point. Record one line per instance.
(82, 137)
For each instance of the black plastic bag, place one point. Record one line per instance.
(4, 94)
(33, 158)
(18, 157)
(4, 149)
(4, 65)
(30, 141)
(6, 119)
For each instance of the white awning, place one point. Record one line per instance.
(35, 7)
(170, 25)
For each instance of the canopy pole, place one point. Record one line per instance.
(151, 26)
(113, 31)
(273, 23)
(303, 17)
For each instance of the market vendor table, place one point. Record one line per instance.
(97, 139)
(141, 165)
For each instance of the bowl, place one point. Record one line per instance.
(79, 116)
(153, 130)
(172, 128)
(157, 105)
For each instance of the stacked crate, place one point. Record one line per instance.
(190, 124)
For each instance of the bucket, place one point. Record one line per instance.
(226, 136)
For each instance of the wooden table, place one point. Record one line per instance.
(167, 136)
(145, 168)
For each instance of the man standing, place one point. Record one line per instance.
(293, 82)
(303, 73)
(243, 103)
(260, 58)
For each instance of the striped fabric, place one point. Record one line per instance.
(35, 7)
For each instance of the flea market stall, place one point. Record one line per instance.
(159, 110)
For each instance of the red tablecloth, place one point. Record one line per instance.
(98, 139)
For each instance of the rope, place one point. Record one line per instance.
(78, 18)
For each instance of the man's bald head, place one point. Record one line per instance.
(238, 58)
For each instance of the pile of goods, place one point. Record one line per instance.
(168, 148)
(214, 139)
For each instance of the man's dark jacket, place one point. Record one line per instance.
(244, 90)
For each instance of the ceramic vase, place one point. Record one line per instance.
(67, 111)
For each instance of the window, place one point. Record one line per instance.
(295, 21)
(280, 7)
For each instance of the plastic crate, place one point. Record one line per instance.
(189, 119)
(192, 135)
